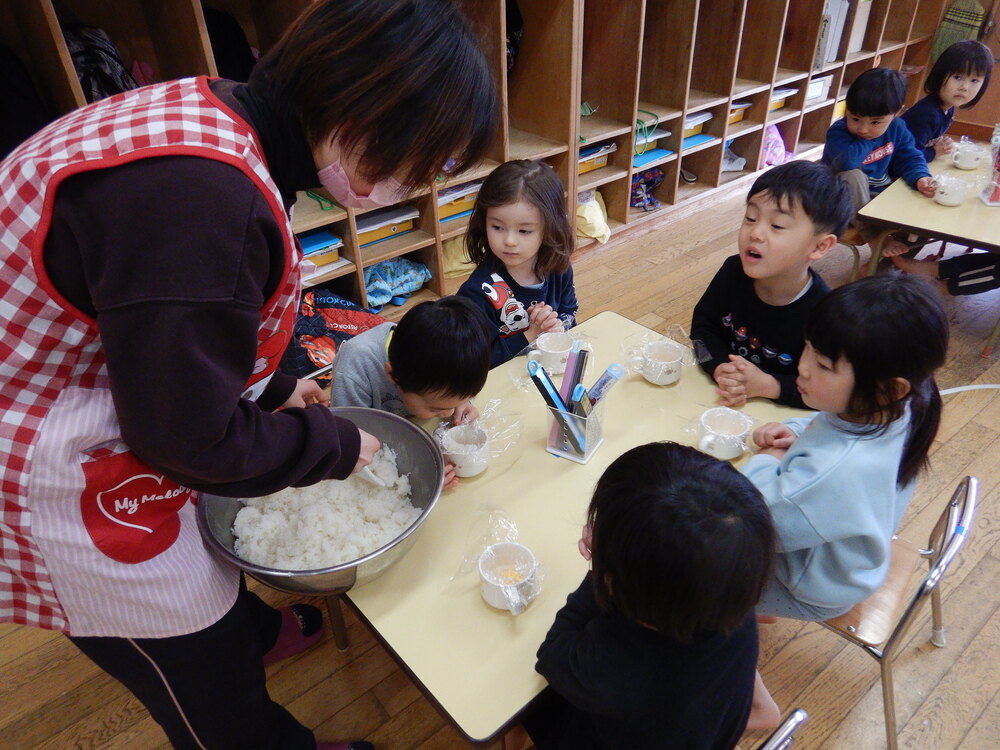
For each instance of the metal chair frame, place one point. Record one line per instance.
(784, 735)
(944, 543)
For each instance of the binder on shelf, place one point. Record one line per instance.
(650, 155)
(385, 223)
(861, 16)
(320, 246)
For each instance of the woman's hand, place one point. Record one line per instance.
(306, 393)
(369, 447)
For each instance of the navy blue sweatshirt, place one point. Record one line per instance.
(928, 122)
(883, 159)
(506, 303)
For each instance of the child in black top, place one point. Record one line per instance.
(752, 316)
(657, 648)
(958, 79)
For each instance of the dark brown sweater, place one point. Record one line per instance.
(174, 257)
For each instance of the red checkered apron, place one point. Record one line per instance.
(94, 542)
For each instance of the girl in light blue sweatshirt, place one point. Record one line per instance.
(837, 483)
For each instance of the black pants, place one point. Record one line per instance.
(207, 689)
(971, 273)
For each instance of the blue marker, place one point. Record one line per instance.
(604, 383)
(552, 398)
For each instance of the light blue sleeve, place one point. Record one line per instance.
(798, 424)
(779, 488)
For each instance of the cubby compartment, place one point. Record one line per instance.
(760, 42)
(263, 21)
(30, 30)
(667, 48)
(746, 146)
(925, 20)
(616, 163)
(542, 108)
(168, 35)
(611, 32)
(789, 131)
(717, 44)
(799, 38)
(812, 133)
(898, 23)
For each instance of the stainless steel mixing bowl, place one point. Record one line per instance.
(416, 455)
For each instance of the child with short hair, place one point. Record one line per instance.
(870, 147)
(837, 483)
(959, 78)
(751, 317)
(430, 364)
(658, 645)
(521, 239)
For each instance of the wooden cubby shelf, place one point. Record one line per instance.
(671, 58)
(395, 246)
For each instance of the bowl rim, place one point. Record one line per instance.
(253, 568)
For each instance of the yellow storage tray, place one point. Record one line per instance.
(457, 206)
(378, 225)
(738, 111)
(325, 256)
(840, 109)
(694, 124)
(591, 161)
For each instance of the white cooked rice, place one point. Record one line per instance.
(328, 523)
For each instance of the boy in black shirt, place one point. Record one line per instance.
(751, 317)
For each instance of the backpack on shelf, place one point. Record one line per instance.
(99, 66)
(644, 183)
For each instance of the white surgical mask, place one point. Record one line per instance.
(384, 193)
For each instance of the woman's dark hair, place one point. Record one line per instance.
(681, 542)
(967, 57)
(876, 93)
(887, 327)
(537, 183)
(441, 347)
(405, 80)
(813, 186)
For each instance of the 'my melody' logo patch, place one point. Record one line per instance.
(135, 518)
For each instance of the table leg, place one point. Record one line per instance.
(335, 610)
(876, 245)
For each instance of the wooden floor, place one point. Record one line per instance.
(51, 697)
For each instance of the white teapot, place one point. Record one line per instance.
(950, 190)
(967, 155)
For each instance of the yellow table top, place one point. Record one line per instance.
(477, 662)
(973, 223)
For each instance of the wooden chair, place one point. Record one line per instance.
(782, 737)
(879, 623)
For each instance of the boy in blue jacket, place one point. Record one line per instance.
(870, 147)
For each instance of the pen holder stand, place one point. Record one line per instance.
(574, 437)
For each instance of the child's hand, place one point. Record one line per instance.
(925, 186)
(464, 413)
(306, 392)
(943, 146)
(542, 320)
(369, 447)
(774, 435)
(758, 382)
(450, 477)
(585, 540)
(731, 384)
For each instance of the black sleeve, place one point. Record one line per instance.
(570, 657)
(177, 256)
(706, 321)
